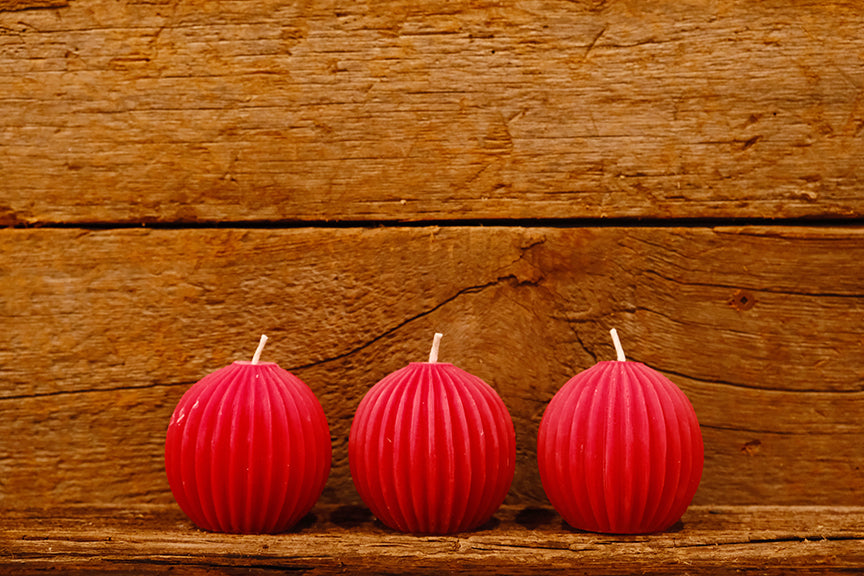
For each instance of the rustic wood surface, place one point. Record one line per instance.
(185, 111)
(519, 540)
(104, 330)
(260, 138)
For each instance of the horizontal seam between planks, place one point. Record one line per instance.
(588, 222)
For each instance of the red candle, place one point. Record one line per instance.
(248, 449)
(619, 449)
(432, 449)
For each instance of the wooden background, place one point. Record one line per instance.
(179, 176)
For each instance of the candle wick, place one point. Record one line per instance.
(618, 349)
(436, 342)
(257, 355)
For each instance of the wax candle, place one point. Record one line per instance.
(432, 448)
(248, 449)
(619, 449)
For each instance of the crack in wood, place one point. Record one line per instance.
(93, 391)
(751, 430)
(20, 5)
(511, 277)
(797, 539)
(751, 290)
(758, 388)
(469, 290)
(594, 41)
(279, 565)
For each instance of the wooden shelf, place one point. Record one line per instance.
(519, 540)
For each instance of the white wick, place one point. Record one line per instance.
(261, 344)
(436, 342)
(618, 349)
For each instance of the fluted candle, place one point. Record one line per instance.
(432, 449)
(248, 449)
(619, 449)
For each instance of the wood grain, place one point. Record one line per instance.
(15, 5)
(186, 111)
(519, 540)
(103, 331)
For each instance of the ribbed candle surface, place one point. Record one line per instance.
(247, 450)
(620, 450)
(432, 449)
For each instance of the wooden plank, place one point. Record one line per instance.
(103, 331)
(519, 540)
(167, 111)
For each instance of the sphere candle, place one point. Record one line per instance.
(432, 448)
(248, 449)
(619, 449)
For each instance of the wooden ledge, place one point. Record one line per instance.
(347, 539)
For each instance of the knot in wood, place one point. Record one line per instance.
(742, 300)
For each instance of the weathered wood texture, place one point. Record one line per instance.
(183, 110)
(518, 541)
(13, 5)
(103, 331)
